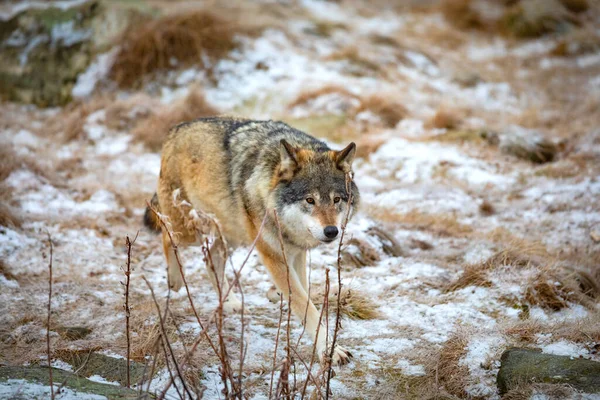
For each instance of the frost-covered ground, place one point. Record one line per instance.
(448, 203)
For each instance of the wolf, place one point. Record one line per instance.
(242, 171)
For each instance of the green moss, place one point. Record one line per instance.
(40, 375)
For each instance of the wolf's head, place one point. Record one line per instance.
(312, 193)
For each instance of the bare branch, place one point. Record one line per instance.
(49, 312)
(127, 272)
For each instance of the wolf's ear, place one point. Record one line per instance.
(344, 158)
(289, 160)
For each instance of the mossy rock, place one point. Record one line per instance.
(40, 375)
(521, 366)
(45, 49)
(110, 368)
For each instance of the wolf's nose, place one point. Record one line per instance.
(331, 231)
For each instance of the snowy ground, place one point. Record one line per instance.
(89, 193)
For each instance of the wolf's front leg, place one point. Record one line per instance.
(216, 273)
(302, 307)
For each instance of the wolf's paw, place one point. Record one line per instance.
(273, 295)
(341, 356)
(175, 283)
(232, 305)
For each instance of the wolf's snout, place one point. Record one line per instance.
(331, 232)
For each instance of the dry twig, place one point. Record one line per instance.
(49, 311)
(127, 272)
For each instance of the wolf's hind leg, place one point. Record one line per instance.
(217, 277)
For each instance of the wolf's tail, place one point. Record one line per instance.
(151, 221)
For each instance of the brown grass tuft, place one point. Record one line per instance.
(554, 290)
(486, 208)
(462, 14)
(368, 144)
(153, 130)
(10, 161)
(388, 110)
(310, 95)
(526, 330)
(473, 275)
(9, 216)
(515, 255)
(170, 41)
(451, 374)
(353, 304)
(441, 224)
(359, 253)
(68, 124)
(578, 42)
(7, 274)
(534, 18)
(444, 119)
(576, 5)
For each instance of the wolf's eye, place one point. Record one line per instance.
(310, 200)
(336, 199)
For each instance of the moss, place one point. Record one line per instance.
(520, 366)
(110, 368)
(40, 375)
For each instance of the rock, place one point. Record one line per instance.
(520, 366)
(73, 332)
(110, 368)
(39, 375)
(44, 49)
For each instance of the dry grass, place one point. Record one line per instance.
(126, 114)
(585, 330)
(310, 95)
(526, 330)
(559, 170)
(69, 123)
(547, 390)
(146, 331)
(153, 130)
(553, 289)
(519, 255)
(440, 224)
(359, 253)
(7, 274)
(172, 40)
(10, 162)
(578, 42)
(452, 375)
(368, 144)
(360, 65)
(445, 118)
(9, 217)
(576, 6)
(472, 275)
(387, 109)
(462, 14)
(534, 18)
(353, 304)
